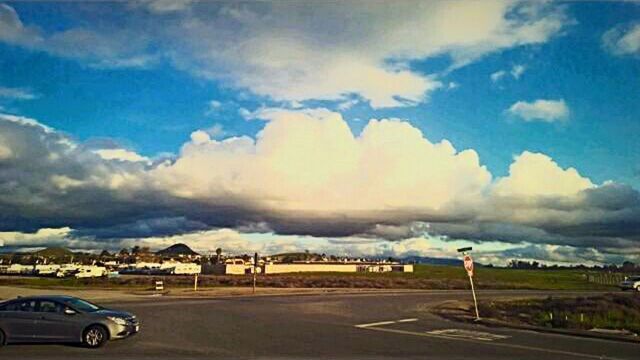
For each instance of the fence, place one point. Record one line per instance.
(606, 278)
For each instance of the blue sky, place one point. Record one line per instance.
(168, 104)
(558, 79)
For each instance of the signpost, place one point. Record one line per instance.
(255, 268)
(468, 266)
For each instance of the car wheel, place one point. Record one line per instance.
(95, 336)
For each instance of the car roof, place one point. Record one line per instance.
(45, 297)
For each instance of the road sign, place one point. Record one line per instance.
(468, 265)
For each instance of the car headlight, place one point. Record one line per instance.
(117, 320)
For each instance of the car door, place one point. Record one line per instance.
(53, 324)
(18, 320)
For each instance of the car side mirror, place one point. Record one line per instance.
(68, 311)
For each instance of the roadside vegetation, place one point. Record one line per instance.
(423, 277)
(609, 311)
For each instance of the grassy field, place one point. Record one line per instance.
(517, 278)
(610, 311)
(424, 277)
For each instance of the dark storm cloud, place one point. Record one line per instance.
(603, 217)
(47, 180)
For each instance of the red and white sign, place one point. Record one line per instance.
(468, 264)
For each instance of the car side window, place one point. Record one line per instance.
(9, 307)
(27, 306)
(49, 306)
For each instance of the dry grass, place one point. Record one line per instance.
(610, 311)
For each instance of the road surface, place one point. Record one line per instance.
(390, 325)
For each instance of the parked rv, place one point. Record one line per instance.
(17, 269)
(46, 270)
(90, 272)
(67, 270)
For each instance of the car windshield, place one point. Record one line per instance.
(83, 305)
(634, 278)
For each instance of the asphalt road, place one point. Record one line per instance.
(325, 326)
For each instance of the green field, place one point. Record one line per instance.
(456, 276)
(424, 277)
(538, 279)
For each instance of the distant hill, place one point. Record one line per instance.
(54, 252)
(431, 260)
(176, 250)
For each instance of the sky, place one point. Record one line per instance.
(362, 128)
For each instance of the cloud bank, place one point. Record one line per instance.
(305, 174)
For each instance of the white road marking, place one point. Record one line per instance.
(468, 334)
(407, 320)
(385, 323)
(501, 344)
(375, 324)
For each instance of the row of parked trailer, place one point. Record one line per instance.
(92, 271)
(55, 270)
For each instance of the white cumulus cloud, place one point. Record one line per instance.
(312, 161)
(623, 40)
(540, 110)
(498, 75)
(516, 72)
(535, 174)
(293, 51)
(121, 154)
(17, 93)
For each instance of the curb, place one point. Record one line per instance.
(569, 332)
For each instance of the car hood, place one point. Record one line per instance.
(115, 313)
